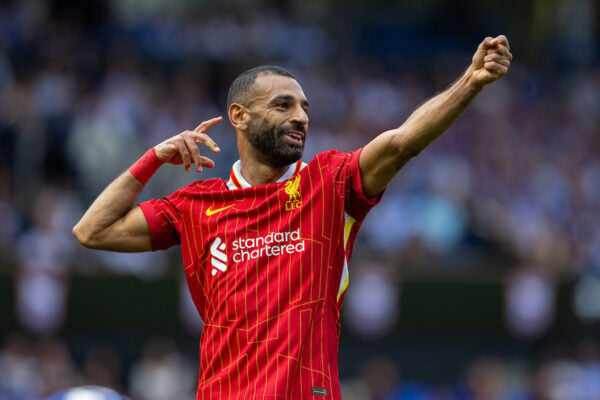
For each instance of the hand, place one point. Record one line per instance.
(491, 60)
(183, 148)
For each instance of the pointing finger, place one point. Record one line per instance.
(207, 124)
(203, 138)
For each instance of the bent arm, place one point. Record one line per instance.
(385, 155)
(112, 223)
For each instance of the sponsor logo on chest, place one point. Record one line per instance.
(274, 244)
(218, 257)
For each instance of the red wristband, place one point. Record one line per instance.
(146, 166)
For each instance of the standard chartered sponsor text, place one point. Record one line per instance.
(273, 244)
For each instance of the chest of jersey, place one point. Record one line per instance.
(260, 247)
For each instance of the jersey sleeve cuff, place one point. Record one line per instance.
(357, 183)
(156, 225)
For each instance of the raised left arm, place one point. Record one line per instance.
(383, 157)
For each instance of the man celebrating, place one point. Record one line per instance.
(266, 252)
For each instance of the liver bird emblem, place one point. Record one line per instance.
(292, 188)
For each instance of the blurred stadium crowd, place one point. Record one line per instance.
(165, 371)
(512, 189)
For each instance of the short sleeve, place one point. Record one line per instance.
(348, 180)
(163, 220)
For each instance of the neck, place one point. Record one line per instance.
(253, 169)
(257, 173)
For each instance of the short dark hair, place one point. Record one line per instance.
(240, 89)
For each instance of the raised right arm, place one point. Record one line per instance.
(112, 222)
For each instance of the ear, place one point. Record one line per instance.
(239, 117)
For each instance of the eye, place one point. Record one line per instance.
(282, 105)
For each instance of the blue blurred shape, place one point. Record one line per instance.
(88, 393)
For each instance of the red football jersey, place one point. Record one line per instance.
(267, 267)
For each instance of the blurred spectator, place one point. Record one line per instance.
(29, 370)
(20, 373)
(57, 368)
(375, 380)
(372, 306)
(102, 367)
(45, 254)
(529, 303)
(485, 380)
(162, 373)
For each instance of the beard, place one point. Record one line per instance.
(271, 145)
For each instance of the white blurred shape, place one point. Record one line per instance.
(529, 304)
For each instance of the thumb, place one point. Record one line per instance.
(481, 52)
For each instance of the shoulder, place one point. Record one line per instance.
(201, 186)
(335, 158)
(329, 156)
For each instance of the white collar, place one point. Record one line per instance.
(236, 179)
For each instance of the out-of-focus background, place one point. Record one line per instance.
(478, 275)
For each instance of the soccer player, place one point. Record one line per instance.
(266, 251)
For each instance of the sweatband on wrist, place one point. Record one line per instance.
(146, 166)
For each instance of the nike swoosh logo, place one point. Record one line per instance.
(210, 211)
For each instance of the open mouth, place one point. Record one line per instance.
(295, 137)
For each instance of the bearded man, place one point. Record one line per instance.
(266, 251)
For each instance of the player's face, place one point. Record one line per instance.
(277, 129)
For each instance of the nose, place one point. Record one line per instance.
(300, 116)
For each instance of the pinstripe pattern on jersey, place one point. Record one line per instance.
(271, 322)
